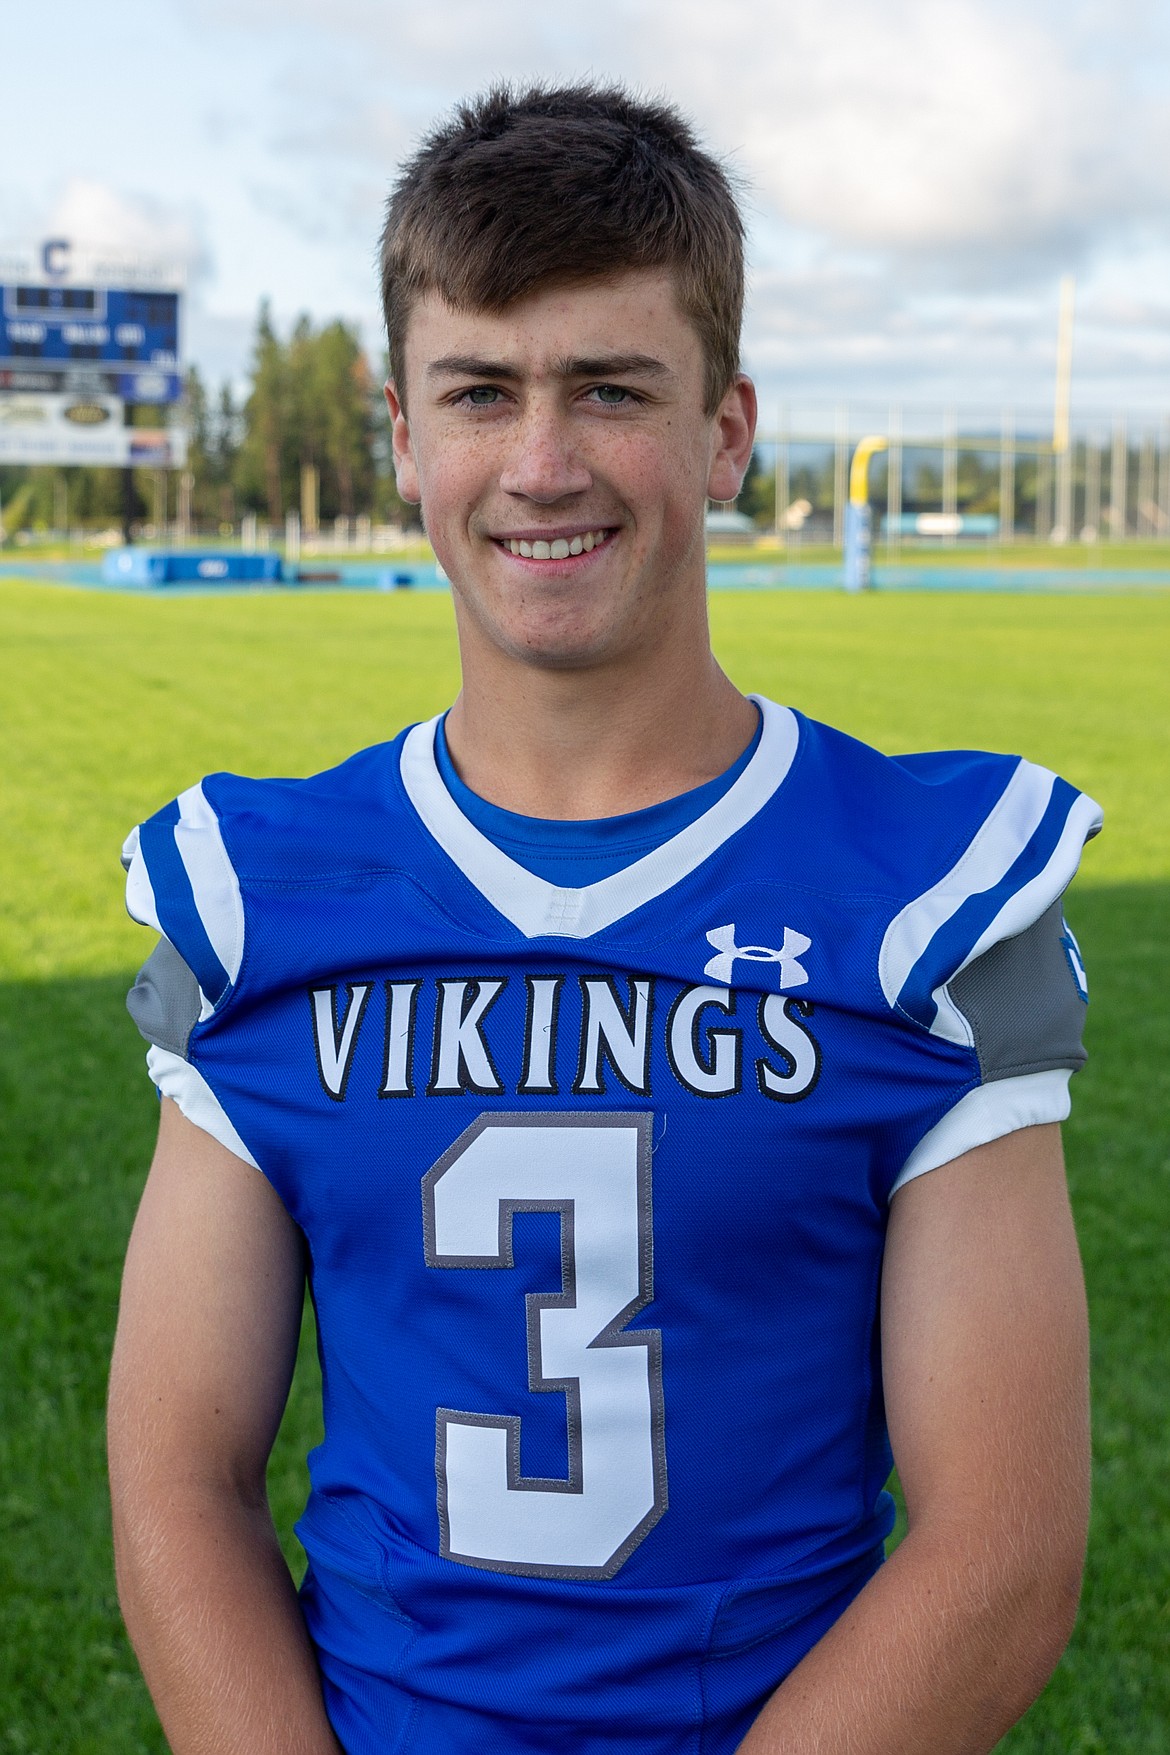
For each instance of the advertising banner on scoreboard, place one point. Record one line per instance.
(82, 428)
(131, 386)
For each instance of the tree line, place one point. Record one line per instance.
(313, 403)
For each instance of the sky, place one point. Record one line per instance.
(917, 174)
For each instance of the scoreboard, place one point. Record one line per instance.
(124, 341)
(86, 337)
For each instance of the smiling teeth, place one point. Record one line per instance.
(560, 549)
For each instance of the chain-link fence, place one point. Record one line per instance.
(957, 479)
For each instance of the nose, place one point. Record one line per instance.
(543, 462)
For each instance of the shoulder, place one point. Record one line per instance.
(190, 866)
(948, 852)
(266, 821)
(931, 821)
(951, 866)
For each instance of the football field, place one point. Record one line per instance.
(111, 704)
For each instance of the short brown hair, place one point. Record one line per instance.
(553, 185)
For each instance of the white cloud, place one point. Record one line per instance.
(917, 126)
(927, 125)
(93, 214)
(919, 172)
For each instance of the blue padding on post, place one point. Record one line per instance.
(188, 566)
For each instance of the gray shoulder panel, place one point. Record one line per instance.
(1024, 1002)
(165, 1001)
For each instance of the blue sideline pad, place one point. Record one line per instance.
(188, 566)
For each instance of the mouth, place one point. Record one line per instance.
(560, 547)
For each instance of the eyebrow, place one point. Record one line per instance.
(610, 365)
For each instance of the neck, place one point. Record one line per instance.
(597, 741)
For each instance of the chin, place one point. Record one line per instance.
(561, 648)
(563, 654)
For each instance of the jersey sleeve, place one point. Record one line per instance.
(984, 959)
(180, 881)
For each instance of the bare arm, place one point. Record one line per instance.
(985, 1359)
(207, 1335)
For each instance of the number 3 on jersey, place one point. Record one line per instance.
(595, 1172)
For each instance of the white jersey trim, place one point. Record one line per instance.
(540, 909)
(215, 888)
(988, 1114)
(178, 1079)
(214, 883)
(140, 903)
(991, 853)
(1025, 906)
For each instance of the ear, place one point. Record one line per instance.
(405, 468)
(734, 433)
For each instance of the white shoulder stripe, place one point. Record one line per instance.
(214, 884)
(1004, 833)
(1026, 904)
(140, 902)
(1022, 908)
(986, 1114)
(177, 1078)
(539, 909)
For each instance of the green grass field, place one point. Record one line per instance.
(110, 704)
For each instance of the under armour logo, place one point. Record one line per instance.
(792, 974)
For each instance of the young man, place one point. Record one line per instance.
(659, 1090)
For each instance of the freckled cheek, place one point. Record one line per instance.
(650, 480)
(454, 483)
(664, 494)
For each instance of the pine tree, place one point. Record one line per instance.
(261, 474)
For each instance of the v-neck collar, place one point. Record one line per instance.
(540, 909)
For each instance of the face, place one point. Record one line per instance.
(563, 462)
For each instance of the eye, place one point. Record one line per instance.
(613, 395)
(480, 395)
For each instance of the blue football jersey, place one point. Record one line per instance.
(594, 1186)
